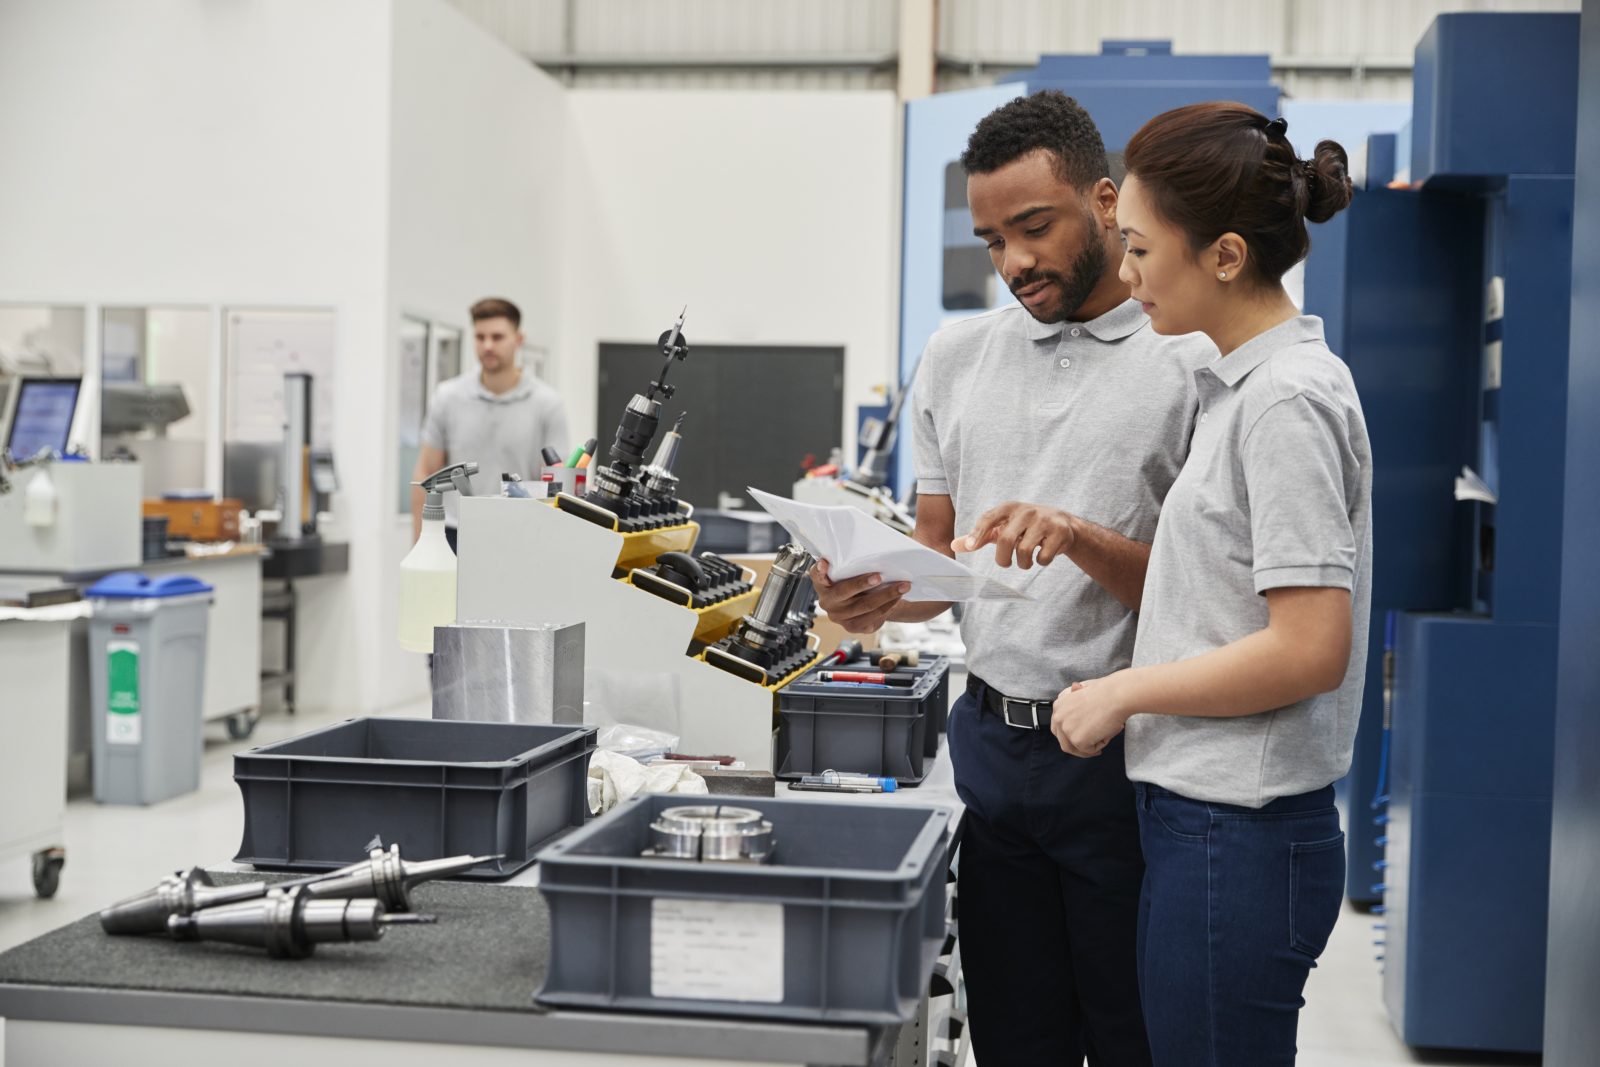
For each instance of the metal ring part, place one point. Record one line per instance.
(713, 834)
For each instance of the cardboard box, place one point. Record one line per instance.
(198, 520)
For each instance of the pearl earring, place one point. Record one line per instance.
(1222, 274)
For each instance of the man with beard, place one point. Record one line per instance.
(1046, 431)
(499, 417)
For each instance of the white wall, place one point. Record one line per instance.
(387, 157)
(175, 152)
(474, 206)
(774, 216)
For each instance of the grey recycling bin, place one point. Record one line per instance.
(147, 655)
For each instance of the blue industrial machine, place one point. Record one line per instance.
(1572, 1026)
(1454, 314)
(1397, 280)
(945, 273)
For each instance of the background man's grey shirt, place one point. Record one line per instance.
(1277, 493)
(502, 433)
(1093, 418)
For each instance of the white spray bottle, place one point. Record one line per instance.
(428, 573)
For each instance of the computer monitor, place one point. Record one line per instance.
(41, 415)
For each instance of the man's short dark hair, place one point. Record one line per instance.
(1050, 120)
(496, 308)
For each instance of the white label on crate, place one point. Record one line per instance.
(122, 693)
(714, 950)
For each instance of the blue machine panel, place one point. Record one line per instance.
(1530, 225)
(1380, 160)
(1396, 279)
(1495, 94)
(1572, 1025)
(1474, 711)
(1125, 86)
(1469, 832)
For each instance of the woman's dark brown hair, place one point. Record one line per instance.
(1216, 168)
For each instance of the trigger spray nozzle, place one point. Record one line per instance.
(456, 477)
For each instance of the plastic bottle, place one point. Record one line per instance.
(428, 573)
(39, 502)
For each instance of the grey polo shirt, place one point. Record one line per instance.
(504, 433)
(1277, 493)
(1093, 418)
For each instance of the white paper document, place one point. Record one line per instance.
(716, 950)
(854, 543)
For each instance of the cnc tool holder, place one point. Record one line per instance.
(535, 564)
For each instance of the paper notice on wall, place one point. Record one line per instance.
(263, 346)
(716, 950)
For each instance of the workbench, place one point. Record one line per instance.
(462, 989)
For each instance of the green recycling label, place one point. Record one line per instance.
(122, 693)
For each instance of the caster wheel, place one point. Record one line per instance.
(242, 725)
(47, 871)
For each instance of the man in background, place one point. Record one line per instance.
(501, 418)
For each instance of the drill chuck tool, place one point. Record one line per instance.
(771, 642)
(388, 878)
(382, 875)
(181, 893)
(766, 626)
(657, 480)
(614, 484)
(289, 923)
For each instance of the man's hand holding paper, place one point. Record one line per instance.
(855, 544)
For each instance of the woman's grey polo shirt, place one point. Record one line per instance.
(1277, 492)
(1091, 417)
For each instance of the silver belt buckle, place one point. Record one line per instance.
(1033, 713)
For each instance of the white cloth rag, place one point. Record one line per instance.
(614, 778)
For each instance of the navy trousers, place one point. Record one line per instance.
(1049, 884)
(1238, 905)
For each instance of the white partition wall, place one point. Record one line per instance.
(388, 158)
(773, 215)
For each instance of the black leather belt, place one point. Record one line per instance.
(1022, 714)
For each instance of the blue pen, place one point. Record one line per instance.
(888, 785)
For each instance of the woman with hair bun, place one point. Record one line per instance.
(1242, 701)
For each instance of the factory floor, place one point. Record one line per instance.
(113, 852)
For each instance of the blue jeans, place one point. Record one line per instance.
(1238, 904)
(1050, 876)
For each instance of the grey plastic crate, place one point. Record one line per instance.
(938, 713)
(860, 887)
(435, 787)
(861, 731)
